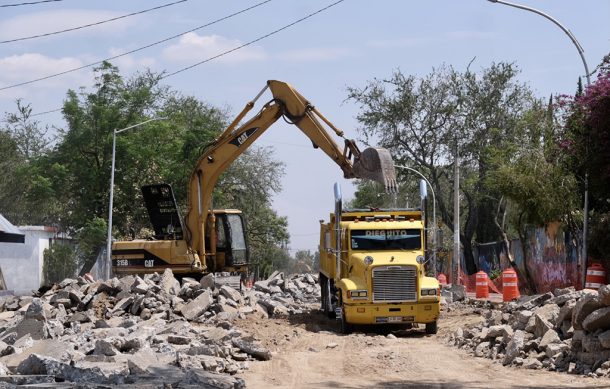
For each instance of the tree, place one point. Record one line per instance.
(60, 262)
(586, 140)
(423, 122)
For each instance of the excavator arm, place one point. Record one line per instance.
(372, 163)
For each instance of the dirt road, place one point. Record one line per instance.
(308, 353)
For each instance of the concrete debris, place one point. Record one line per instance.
(566, 330)
(151, 330)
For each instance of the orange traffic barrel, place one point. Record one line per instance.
(442, 279)
(596, 276)
(482, 290)
(510, 285)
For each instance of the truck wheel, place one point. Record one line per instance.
(346, 328)
(431, 328)
(323, 295)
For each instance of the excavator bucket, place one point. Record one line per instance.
(376, 163)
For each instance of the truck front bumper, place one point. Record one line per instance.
(392, 313)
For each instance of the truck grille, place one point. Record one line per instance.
(395, 283)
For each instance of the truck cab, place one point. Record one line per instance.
(372, 269)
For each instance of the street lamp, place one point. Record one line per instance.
(585, 224)
(109, 239)
(433, 212)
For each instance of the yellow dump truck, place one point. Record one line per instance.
(372, 268)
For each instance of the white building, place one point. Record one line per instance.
(21, 264)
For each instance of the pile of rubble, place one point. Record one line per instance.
(565, 330)
(149, 330)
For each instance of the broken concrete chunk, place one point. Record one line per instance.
(598, 319)
(249, 347)
(35, 310)
(588, 303)
(198, 306)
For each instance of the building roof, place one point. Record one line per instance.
(9, 233)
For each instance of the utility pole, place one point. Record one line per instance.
(456, 215)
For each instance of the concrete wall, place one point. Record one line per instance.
(21, 263)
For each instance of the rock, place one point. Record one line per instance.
(168, 282)
(207, 281)
(604, 339)
(198, 306)
(604, 295)
(33, 327)
(549, 337)
(591, 343)
(104, 347)
(458, 292)
(588, 303)
(532, 363)
(545, 318)
(258, 352)
(205, 379)
(514, 347)
(566, 311)
(262, 286)
(553, 349)
(536, 301)
(520, 319)
(482, 349)
(494, 318)
(231, 293)
(332, 345)
(598, 319)
(504, 331)
(177, 339)
(35, 310)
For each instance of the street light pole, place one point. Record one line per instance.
(581, 52)
(110, 202)
(433, 213)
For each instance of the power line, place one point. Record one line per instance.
(207, 59)
(46, 112)
(252, 41)
(28, 3)
(92, 24)
(134, 50)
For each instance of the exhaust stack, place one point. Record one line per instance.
(338, 210)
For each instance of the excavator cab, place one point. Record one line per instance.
(163, 212)
(230, 237)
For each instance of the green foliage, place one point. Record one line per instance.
(68, 185)
(60, 262)
(424, 120)
(585, 142)
(91, 237)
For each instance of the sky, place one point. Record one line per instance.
(346, 45)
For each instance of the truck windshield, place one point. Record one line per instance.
(399, 239)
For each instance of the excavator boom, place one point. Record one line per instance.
(208, 245)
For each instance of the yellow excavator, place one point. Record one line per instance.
(214, 240)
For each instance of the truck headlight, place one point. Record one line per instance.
(368, 260)
(358, 294)
(428, 292)
(420, 259)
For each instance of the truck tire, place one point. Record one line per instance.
(323, 296)
(345, 327)
(431, 328)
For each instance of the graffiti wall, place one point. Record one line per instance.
(551, 252)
